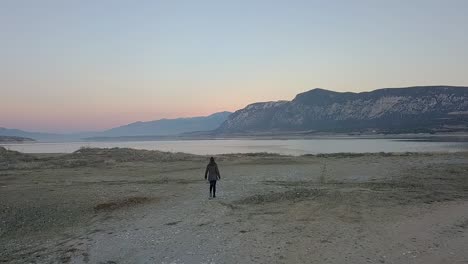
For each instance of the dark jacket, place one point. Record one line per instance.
(212, 172)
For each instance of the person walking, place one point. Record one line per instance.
(212, 174)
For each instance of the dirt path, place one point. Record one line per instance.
(369, 209)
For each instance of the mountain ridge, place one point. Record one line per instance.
(169, 126)
(166, 127)
(417, 108)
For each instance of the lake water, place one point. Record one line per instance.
(289, 147)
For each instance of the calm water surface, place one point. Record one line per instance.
(289, 147)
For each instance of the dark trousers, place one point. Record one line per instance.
(213, 188)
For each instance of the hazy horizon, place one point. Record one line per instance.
(118, 125)
(193, 116)
(90, 66)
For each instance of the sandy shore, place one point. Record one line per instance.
(125, 206)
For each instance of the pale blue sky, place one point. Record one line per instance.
(87, 65)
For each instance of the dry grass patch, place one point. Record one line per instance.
(294, 195)
(9, 158)
(123, 203)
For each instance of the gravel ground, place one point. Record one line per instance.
(373, 208)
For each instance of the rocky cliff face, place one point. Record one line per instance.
(413, 108)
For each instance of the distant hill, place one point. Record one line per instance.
(391, 110)
(10, 139)
(152, 129)
(422, 109)
(164, 127)
(26, 134)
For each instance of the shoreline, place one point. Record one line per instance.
(296, 147)
(252, 154)
(457, 136)
(281, 136)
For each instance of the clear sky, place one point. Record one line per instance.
(89, 65)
